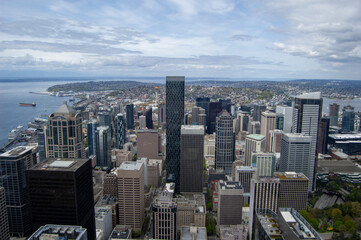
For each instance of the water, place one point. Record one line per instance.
(12, 115)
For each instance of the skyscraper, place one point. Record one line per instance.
(297, 155)
(174, 119)
(130, 116)
(214, 109)
(293, 190)
(254, 143)
(257, 111)
(91, 128)
(334, 109)
(13, 164)
(4, 223)
(103, 146)
(230, 202)
(130, 193)
(306, 119)
(268, 122)
(323, 135)
(191, 161)
(225, 142)
(120, 131)
(161, 114)
(203, 102)
(148, 118)
(286, 112)
(61, 192)
(348, 119)
(148, 144)
(105, 119)
(265, 163)
(64, 136)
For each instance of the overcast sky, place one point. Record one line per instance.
(196, 38)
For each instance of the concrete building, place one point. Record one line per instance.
(209, 146)
(121, 155)
(297, 155)
(13, 164)
(191, 209)
(254, 127)
(195, 115)
(294, 227)
(174, 119)
(203, 102)
(103, 147)
(265, 163)
(64, 136)
(164, 216)
(142, 122)
(4, 223)
(258, 109)
(265, 193)
(49, 232)
(130, 194)
(254, 143)
(225, 142)
(268, 123)
(243, 119)
(275, 140)
(63, 189)
(333, 111)
(153, 174)
(148, 144)
(306, 119)
(286, 112)
(244, 175)
(202, 120)
(191, 161)
(230, 203)
(293, 190)
(103, 221)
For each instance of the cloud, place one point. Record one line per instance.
(242, 37)
(60, 47)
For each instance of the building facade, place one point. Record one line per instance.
(103, 147)
(334, 109)
(148, 144)
(130, 116)
(61, 192)
(91, 128)
(230, 203)
(4, 223)
(64, 136)
(120, 131)
(191, 161)
(174, 119)
(225, 142)
(254, 143)
(348, 119)
(265, 163)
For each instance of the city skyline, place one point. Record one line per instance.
(273, 39)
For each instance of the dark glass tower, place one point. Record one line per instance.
(119, 131)
(61, 192)
(214, 109)
(334, 108)
(91, 128)
(130, 116)
(348, 119)
(174, 119)
(103, 146)
(148, 118)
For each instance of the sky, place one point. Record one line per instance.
(267, 39)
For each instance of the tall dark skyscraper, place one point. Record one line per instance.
(214, 109)
(119, 131)
(174, 120)
(226, 104)
(61, 192)
(13, 164)
(191, 165)
(225, 142)
(148, 118)
(105, 119)
(130, 116)
(348, 119)
(306, 120)
(334, 109)
(323, 135)
(4, 223)
(103, 146)
(257, 111)
(161, 114)
(91, 128)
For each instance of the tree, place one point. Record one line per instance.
(336, 214)
(332, 186)
(350, 225)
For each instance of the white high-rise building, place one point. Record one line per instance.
(265, 163)
(268, 122)
(254, 143)
(287, 113)
(306, 119)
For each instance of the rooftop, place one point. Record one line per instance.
(121, 232)
(345, 136)
(55, 232)
(128, 165)
(255, 136)
(299, 137)
(339, 166)
(18, 151)
(229, 185)
(192, 129)
(68, 165)
(290, 175)
(193, 232)
(267, 219)
(65, 109)
(311, 95)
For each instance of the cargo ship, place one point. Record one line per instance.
(28, 104)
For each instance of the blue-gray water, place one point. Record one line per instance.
(12, 93)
